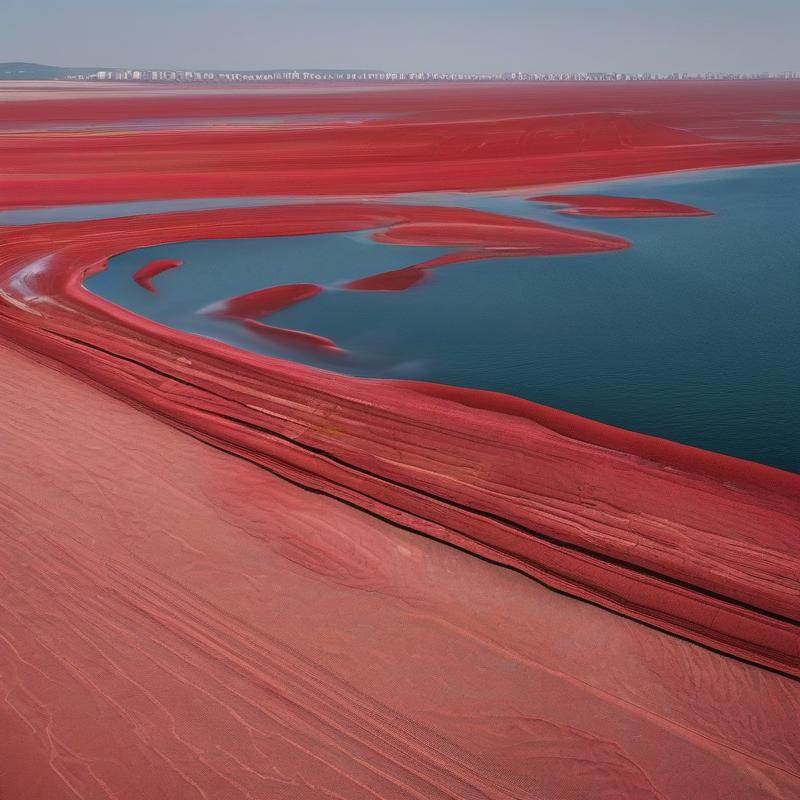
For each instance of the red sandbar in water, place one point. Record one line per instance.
(144, 276)
(262, 302)
(492, 236)
(294, 339)
(398, 280)
(594, 205)
(482, 229)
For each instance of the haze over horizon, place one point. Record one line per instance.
(435, 36)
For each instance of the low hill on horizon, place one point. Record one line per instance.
(27, 70)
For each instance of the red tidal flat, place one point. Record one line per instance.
(185, 620)
(466, 137)
(593, 205)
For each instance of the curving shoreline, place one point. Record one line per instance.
(624, 520)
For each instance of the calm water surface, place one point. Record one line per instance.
(693, 334)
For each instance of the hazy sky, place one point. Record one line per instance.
(434, 35)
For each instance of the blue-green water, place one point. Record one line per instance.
(693, 334)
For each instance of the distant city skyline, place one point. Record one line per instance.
(573, 36)
(37, 72)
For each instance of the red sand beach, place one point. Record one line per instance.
(182, 617)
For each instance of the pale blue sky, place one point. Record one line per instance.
(436, 35)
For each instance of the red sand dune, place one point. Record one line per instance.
(593, 205)
(144, 276)
(238, 636)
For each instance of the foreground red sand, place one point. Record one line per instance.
(215, 632)
(239, 636)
